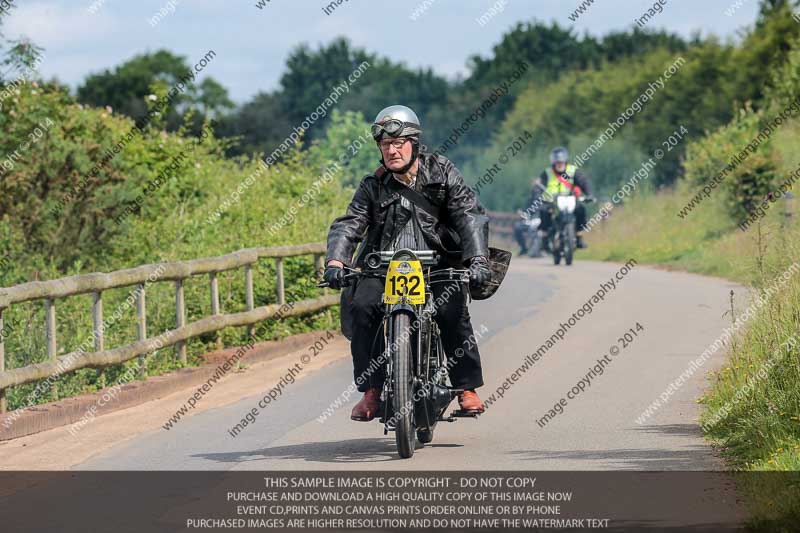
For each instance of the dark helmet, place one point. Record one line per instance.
(559, 155)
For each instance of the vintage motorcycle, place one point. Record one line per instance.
(415, 392)
(561, 236)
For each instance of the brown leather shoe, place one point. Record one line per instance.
(469, 401)
(366, 409)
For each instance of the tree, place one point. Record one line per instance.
(347, 142)
(548, 49)
(765, 49)
(554, 54)
(622, 44)
(125, 87)
(258, 126)
(21, 57)
(769, 8)
(213, 98)
(312, 76)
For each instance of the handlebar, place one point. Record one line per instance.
(449, 274)
(350, 275)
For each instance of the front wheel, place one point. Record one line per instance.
(569, 243)
(555, 247)
(402, 385)
(556, 251)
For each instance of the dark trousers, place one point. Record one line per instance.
(452, 316)
(520, 231)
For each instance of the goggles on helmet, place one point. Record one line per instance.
(392, 127)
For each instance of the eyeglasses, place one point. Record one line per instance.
(396, 143)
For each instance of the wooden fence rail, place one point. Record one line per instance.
(177, 272)
(502, 224)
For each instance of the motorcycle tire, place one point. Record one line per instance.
(569, 248)
(555, 247)
(402, 385)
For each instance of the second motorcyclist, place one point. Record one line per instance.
(559, 177)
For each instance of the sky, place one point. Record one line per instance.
(81, 37)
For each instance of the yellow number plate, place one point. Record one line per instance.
(404, 283)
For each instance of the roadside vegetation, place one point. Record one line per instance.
(752, 405)
(83, 190)
(60, 217)
(58, 220)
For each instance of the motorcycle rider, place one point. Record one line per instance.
(381, 219)
(559, 177)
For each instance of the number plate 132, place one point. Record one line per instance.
(404, 283)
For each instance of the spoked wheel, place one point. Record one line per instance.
(403, 385)
(569, 245)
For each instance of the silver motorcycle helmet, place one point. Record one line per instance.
(559, 155)
(394, 122)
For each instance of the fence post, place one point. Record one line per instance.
(279, 280)
(319, 267)
(248, 295)
(180, 319)
(97, 321)
(141, 323)
(3, 406)
(97, 324)
(318, 264)
(215, 303)
(50, 332)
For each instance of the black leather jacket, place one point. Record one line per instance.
(461, 234)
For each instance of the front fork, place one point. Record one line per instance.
(388, 381)
(558, 230)
(423, 348)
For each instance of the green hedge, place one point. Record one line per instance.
(155, 200)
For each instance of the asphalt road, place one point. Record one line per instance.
(679, 315)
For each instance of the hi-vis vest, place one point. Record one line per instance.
(554, 184)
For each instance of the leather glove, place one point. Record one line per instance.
(479, 271)
(334, 275)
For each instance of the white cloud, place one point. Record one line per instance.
(52, 25)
